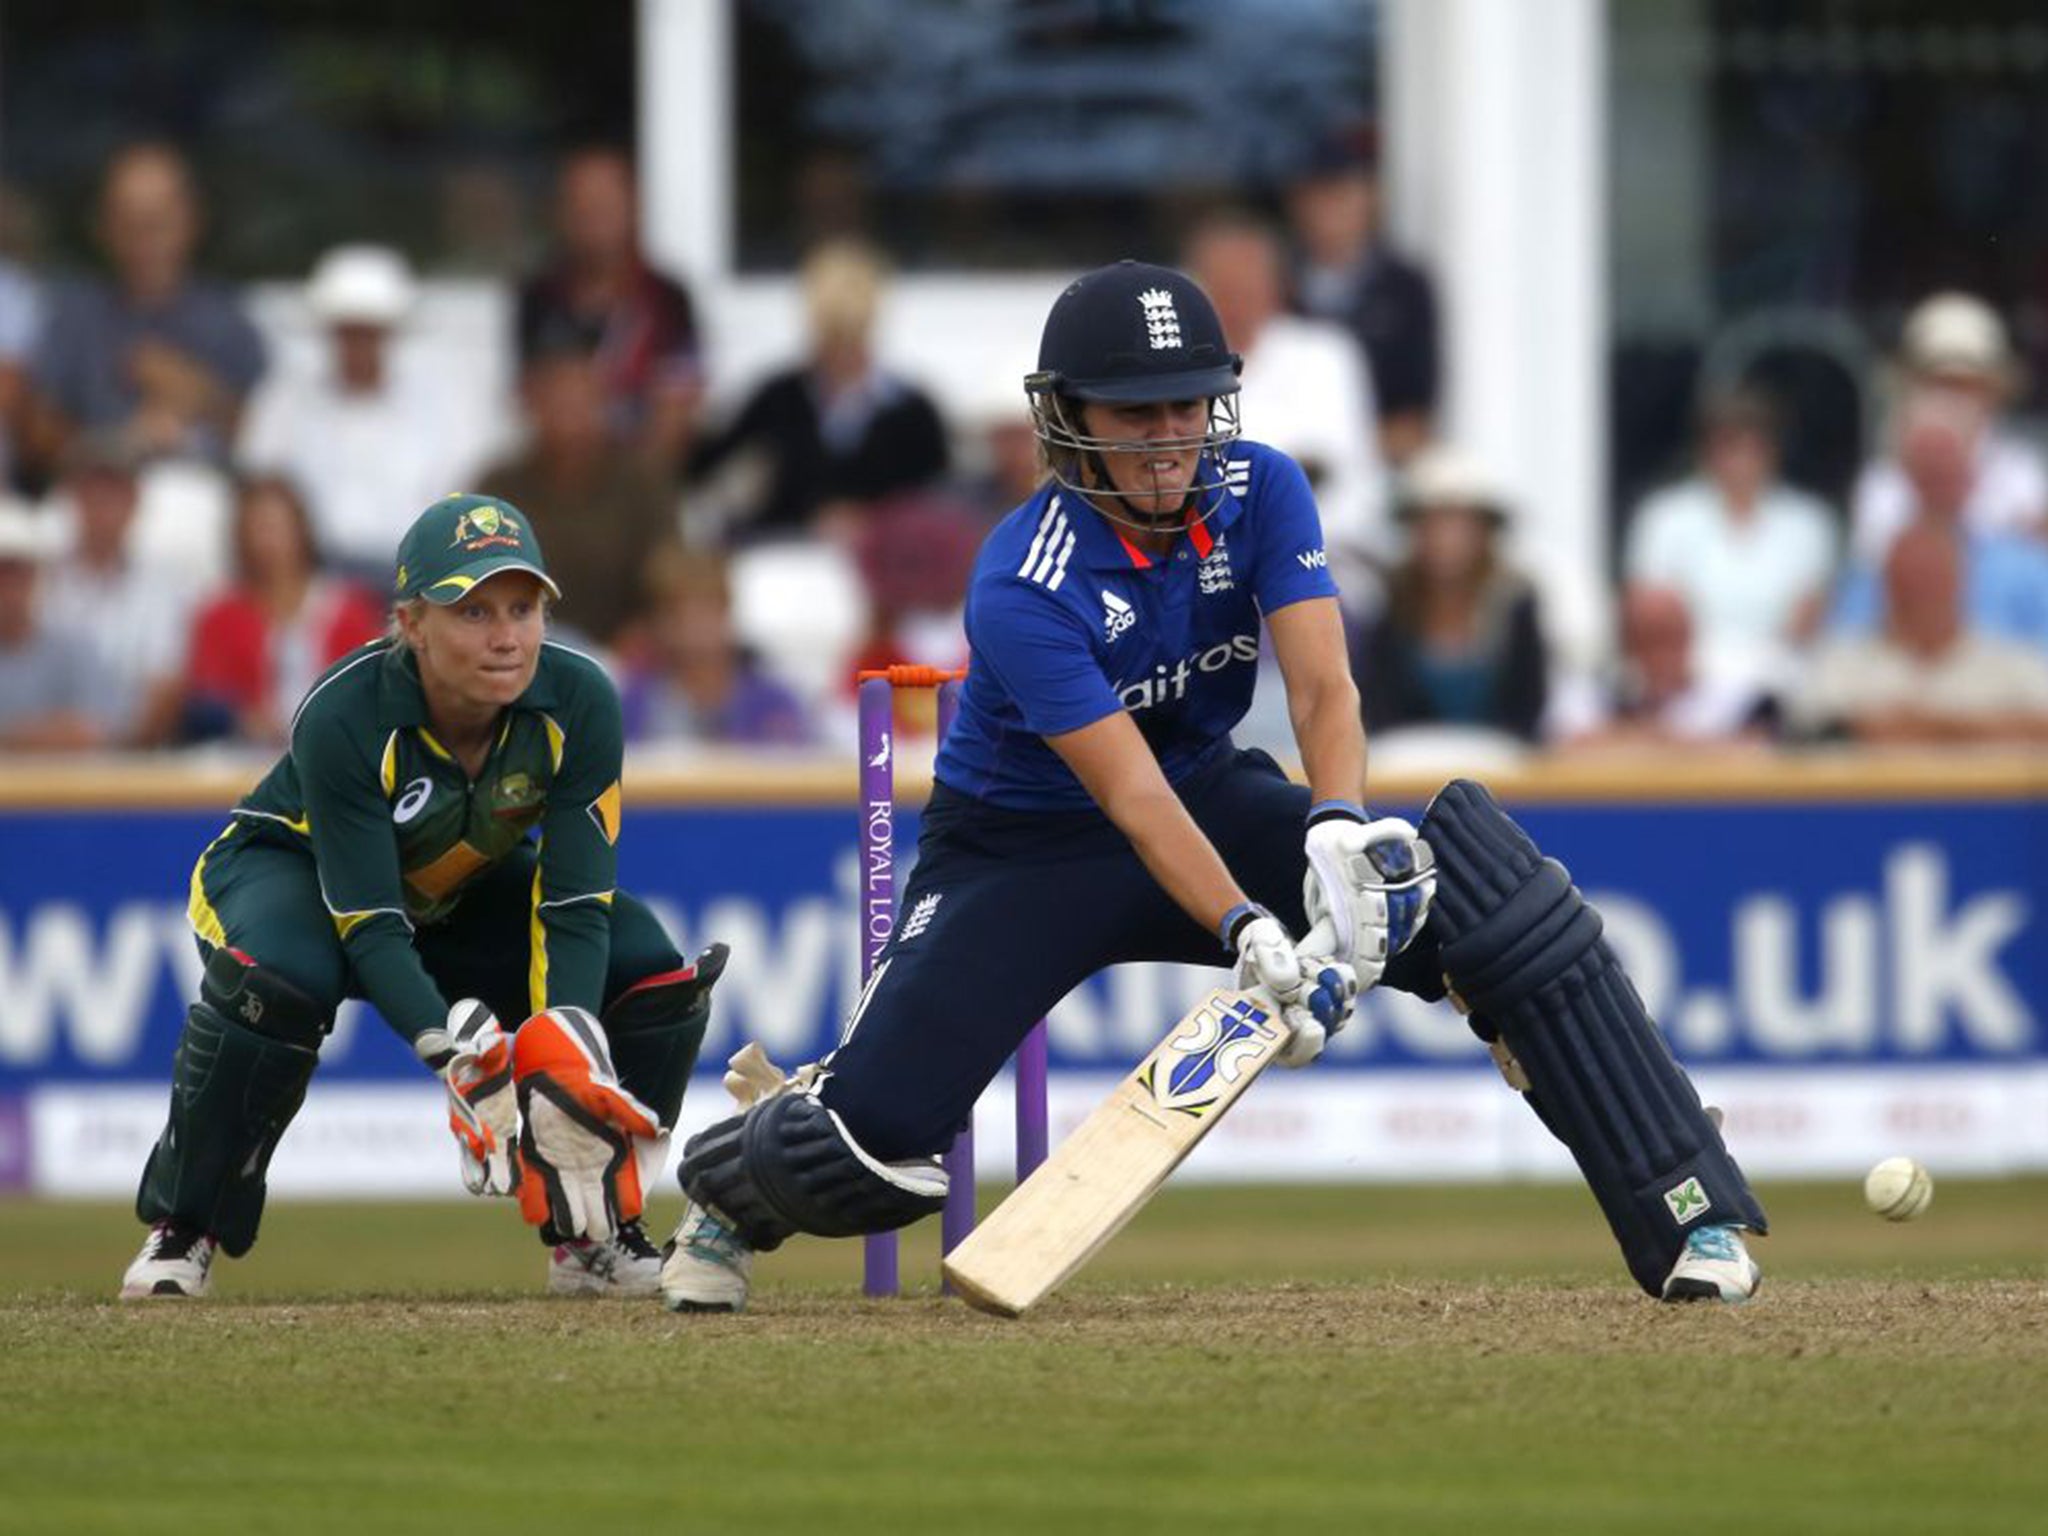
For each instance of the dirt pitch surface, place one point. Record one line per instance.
(1889, 1380)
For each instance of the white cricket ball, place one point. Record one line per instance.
(1898, 1189)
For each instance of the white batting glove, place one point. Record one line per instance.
(1314, 994)
(473, 1059)
(1371, 881)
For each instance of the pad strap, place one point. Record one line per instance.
(262, 1001)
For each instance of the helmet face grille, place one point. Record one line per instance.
(1068, 447)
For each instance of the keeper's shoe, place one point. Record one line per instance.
(176, 1260)
(1714, 1267)
(706, 1265)
(626, 1264)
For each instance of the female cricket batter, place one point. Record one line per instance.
(387, 855)
(1090, 808)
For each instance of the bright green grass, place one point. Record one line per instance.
(1425, 1360)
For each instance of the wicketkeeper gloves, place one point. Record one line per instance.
(579, 1169)
(473, 1059)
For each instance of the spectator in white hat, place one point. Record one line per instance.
(1459, 640)
(2005, 575)
(371, 433)
(1954, 347)
(50, 682)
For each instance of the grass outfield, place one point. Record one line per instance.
(1398, 1360)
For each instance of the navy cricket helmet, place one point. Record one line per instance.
(1130, 333)
(1135, 332)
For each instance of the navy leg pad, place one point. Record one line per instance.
(1523, 948)
(788, 1166)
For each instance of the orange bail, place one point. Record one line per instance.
(911, 676)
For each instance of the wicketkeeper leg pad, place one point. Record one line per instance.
(656, 1027)
(788, 1165)
(1523, 949)
(248, 1051)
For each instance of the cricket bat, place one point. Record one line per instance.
(1102, 1175)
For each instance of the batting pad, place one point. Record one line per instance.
(1523, 948)
(787, 1165)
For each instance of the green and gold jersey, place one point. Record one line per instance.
(397, 829)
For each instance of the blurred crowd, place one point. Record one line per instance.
(195, 527)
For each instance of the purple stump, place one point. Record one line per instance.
(14, 1143)
(957, 1220)
(878, 897)
(1031, 1102)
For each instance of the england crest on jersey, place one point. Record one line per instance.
(1213, 574)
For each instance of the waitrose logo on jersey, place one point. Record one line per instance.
(1169, 684)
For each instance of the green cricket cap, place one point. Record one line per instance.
(462, 540)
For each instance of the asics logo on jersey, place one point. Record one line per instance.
(1117, 615)
(1162, 320)
(413, 801)
(1313, 559)
(1169, 684)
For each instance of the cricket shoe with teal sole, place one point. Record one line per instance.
(625, 1264)
(1715, 1266)
(706, 1266)
(176, 1261)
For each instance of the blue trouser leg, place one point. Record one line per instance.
(950, 1004)
(1029, 907)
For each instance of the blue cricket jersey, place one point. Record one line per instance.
(1068, 621)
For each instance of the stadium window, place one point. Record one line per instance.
(1050, 134)
(431, 125)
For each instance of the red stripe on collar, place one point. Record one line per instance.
(1139, 558)
(1198, 535)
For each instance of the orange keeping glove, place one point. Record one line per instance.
(578, 1171)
